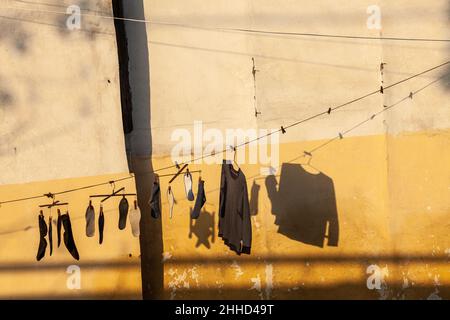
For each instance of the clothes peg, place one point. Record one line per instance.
(283, 130)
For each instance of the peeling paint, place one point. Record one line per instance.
(434, 295)
(166, 256)
(237, 269)
(257, 286)
(182, 280)
(269, 280)
(447, 251)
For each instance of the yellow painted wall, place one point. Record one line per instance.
(391, 176)
(108, 271)
(398, 223)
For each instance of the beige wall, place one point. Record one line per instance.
(390, 176)
(61, 128)
(60, 117)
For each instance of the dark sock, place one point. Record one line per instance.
(58, 228)
(42, 234)
(68, 236)
(200, 201)
(101, 225)
(123, 212)
(50, 234)
(155, 201)
(90, 220)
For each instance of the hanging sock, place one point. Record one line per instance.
(155, 200)
(200, 201)
(101, 225)
(90, 220)
(42, 233)
(188, 186)
(68, 236)
(123, 212)
(58, 228)
(135, 219)
(171, 199)
(50, 234)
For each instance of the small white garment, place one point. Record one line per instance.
(188, 186)
(135, 218)
(171, 200)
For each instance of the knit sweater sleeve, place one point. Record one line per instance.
(223, 189)
(246, 222)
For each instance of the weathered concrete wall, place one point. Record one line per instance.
(390, 175)
(61, 128)
(60, 101)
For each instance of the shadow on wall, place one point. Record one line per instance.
(135, 92)
(204, 228)
(304, 205)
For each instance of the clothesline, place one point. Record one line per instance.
(310, 153)
(240, 30)
(282, 129)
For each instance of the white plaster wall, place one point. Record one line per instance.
(203, 74)
(60, 113)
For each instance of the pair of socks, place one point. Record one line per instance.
(171, 200)
(200, 201)
(58, 227)
(135, 219)
(68, 236)
(155, 200)
(188, 186)
(101, 225)
(50, 234)
(90, 220)
(123, 213)
(42, 234)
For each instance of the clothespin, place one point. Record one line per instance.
(307, 153)
(381, 90)
(410, 95)
(177, 165)
(283, 130)
(382, 66)
(329, 111)
(341, 136)
(372, 117)
(385, 106)
(257, 112)
(50, 195)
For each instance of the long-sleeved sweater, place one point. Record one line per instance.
(234, 213)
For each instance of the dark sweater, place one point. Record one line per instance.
(234, 212)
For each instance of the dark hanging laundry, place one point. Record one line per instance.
(188, 186)
(50, 234)
(68, 236)
(42, 234)
(90, 220)
(200, 201)
(234, 212)
(101, 225)
(58, 228)
(123, 212)
(155, 200)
